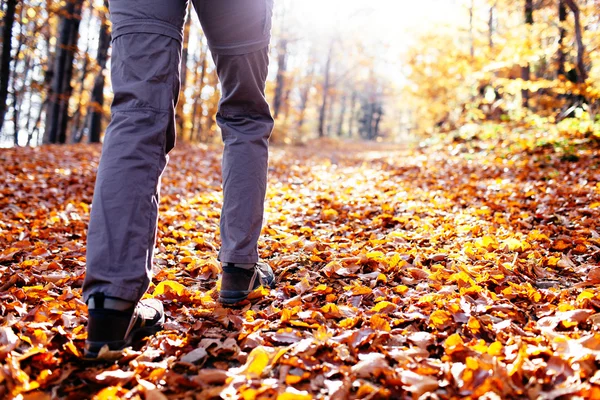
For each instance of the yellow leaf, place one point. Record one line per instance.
(259, 293)
(249, 394)
(401, 289)
(586, 294)
(176, 287)
(109, 393)
(258, 361)
(383, 305)
(472, 363)
(514, 244)
(495, 349)
(331, 310)
(553, 261)
(306, 230)
(380, 323)
(375, 255)
(439, 318)
(347, 323)
(294, 395)
(474, 325)
(323, 289)
(565, 307)
(454, 343)
(487, 242)
(71, 347)
(394, 260)
(292, 379)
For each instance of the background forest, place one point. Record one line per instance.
(372, 72)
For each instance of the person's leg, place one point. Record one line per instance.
(238, 33)
(146, 52)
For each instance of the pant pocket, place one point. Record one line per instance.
(145, 71)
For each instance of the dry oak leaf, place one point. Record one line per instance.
(371, 364)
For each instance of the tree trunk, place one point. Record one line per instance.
(304, 97)
(7, 35)
(581, 70)
(58, 106)
(197, 125)
(526, 71)
(562, 18)
(471, 29)
(491, 26)
(352, 114)
(95, 109)
(281, 73)
(326, 83)
(184, 73)
(340, 127)
(330, 113)
(377, 119)
(76, 128)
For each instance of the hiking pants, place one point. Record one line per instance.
(145, 70)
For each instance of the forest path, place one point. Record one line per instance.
(458, 269)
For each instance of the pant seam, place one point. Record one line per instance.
(133, 109)
(143, 25)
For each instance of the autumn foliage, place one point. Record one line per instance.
(457, 269)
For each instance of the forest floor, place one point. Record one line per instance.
(461, 269)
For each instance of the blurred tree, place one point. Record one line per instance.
(96, 106)
(325, 90)
(7, 36)
(58, 105)
(526, 69)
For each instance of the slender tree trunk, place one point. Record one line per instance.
(7, 36)
(38, 121)
(491, 26)
(352, 114)
(58, 106)
(76, 128)
(184, 72)
(471, 29)
(330, 113)
(377, 119)
(526, 71)
(96, 107)
(16, 92)
(15, 114)
(326, 83)
(340, 127)
(281, 74)
(304, 97)
(197, 124)
(562, 18)
(581, 70)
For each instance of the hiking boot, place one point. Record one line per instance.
(119, 329)
(238, 283)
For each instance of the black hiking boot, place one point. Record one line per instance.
(119, 329)
(238, 283)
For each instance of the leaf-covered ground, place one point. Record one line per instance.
(465, 269)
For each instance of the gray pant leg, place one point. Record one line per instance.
(146, 52)
(238, 32)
